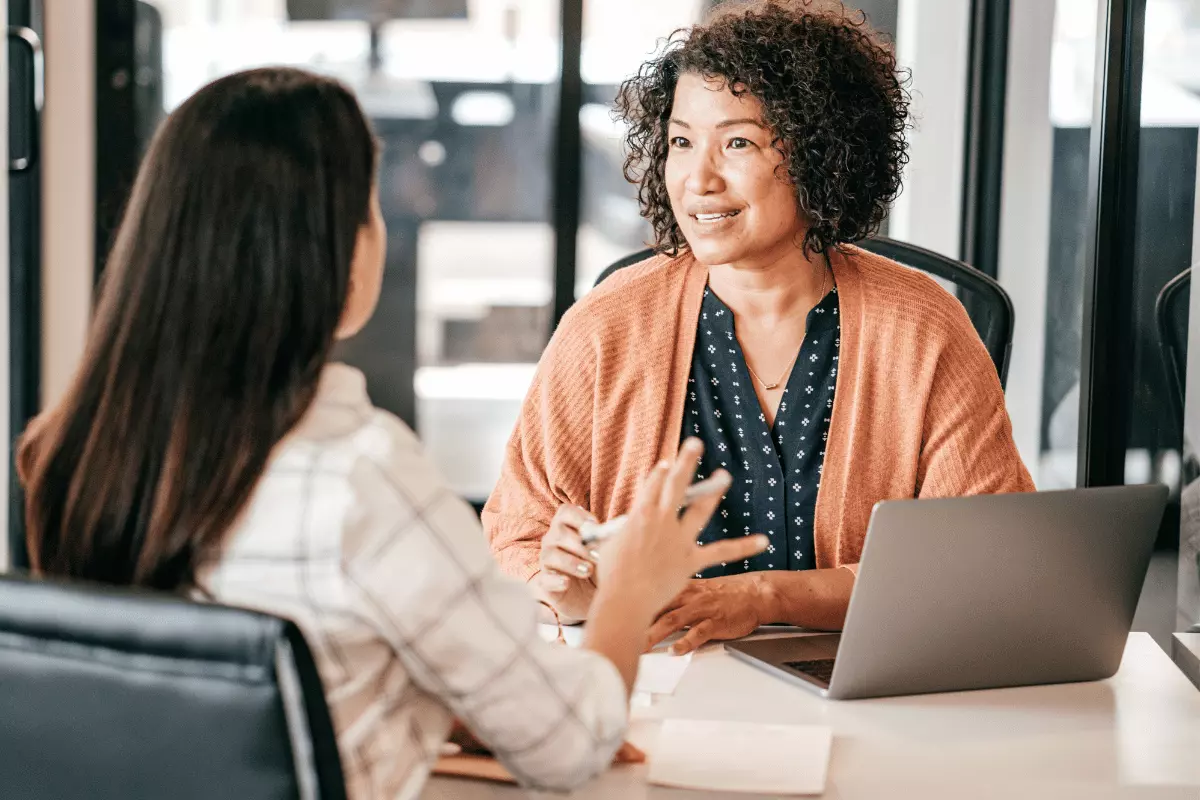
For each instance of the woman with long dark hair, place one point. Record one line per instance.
(206, 447)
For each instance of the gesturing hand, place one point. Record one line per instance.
(656, 552)
(651, 558)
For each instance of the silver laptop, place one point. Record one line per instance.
(981, 593)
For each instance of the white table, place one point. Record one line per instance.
(1134, 735)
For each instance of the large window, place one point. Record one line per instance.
(463, 95)
(618, 35)
(20, 240)
(1052, 51)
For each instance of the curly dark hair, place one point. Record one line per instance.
(831, 94)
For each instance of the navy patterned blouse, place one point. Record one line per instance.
(776, 469)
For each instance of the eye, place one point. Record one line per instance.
(739, 143)
(679, 141)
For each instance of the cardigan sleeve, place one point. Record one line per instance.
(548, 458)
(967, 438)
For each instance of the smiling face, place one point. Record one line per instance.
(723, 179)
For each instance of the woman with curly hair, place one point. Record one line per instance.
(823, 378)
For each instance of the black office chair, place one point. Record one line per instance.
(1171, 316)
(117, 694)
(989, 306)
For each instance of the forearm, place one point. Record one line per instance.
(815, 599)
(618, 629)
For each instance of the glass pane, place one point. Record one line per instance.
(1052, 51)
(1168, 242)
(618, 35)
(462, 94)
(932, 40)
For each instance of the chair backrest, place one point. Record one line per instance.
(1171, 316)
(988, 305)
(110, 693)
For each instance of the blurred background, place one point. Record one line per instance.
(502, 187)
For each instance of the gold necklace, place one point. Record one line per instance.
(775, 384)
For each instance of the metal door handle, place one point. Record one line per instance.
(20, 35)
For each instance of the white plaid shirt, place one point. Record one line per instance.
(353, 534)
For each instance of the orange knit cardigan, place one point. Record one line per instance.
(918, 409)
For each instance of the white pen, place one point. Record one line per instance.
(592, 532)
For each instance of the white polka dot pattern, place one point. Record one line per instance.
(764, 499)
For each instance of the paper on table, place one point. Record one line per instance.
(660, 673)
(741, 757)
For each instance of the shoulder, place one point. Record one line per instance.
(905, 298)
(372, 472)
(639, 276)
(350, 445)
(627, 306)
(342, 424)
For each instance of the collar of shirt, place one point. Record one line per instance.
(822, 317)
(340, 407)
(342, 385)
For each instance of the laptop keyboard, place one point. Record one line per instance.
(821, 668)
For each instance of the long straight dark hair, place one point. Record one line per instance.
(219, 306)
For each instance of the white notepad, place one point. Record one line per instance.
(742, 757)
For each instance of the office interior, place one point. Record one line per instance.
(1039, 156)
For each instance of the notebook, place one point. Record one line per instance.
(478, 767)
(483, 766)
(742, 757)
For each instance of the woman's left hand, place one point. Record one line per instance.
(718, 608)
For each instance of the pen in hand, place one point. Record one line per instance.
(718, 483)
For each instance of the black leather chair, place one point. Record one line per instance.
(1171, 316)
(117, 694)
(989, 306)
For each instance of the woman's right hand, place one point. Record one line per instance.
(650, 560)
(656, 553)
(566, 578)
